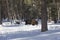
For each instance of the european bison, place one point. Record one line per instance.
(33, 22)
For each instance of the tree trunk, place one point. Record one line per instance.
(0, 13)
(44, 16)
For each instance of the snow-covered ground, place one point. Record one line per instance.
(10, 31)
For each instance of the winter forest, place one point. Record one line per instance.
(28, 19)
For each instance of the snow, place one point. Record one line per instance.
(42, 36)
(10, 31)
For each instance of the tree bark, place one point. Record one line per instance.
(44, 15)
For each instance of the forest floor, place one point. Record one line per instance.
(29, 32)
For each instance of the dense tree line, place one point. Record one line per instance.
(30, 9)
(15, 9)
